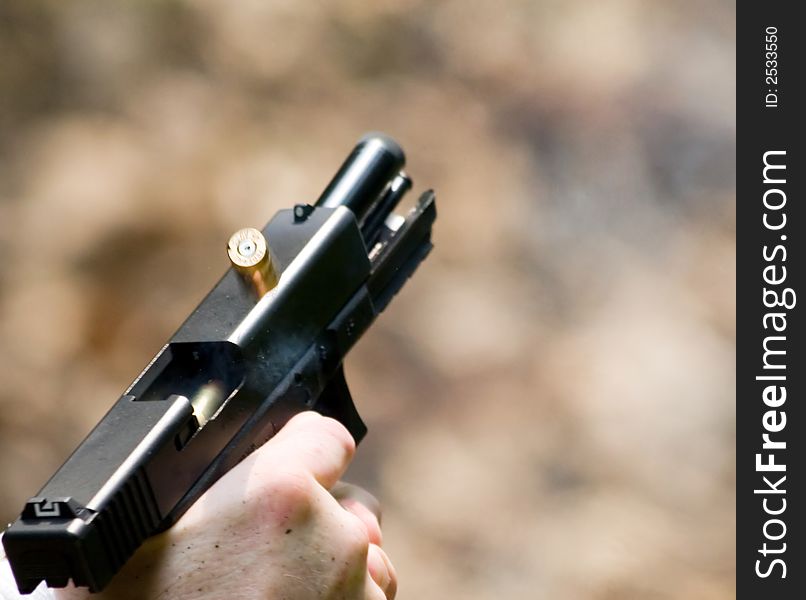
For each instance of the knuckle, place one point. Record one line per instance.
(293, 486)
(356, 538)
(309, 431)
(338, 432)
(328, 443)
(368, 518)
(303, 417)
(286, 496)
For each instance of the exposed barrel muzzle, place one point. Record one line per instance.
(366, 173)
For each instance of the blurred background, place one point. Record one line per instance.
(550, 399)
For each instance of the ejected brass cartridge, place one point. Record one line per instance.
(249, 254)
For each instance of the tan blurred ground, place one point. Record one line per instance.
(550, 399)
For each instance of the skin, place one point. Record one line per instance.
(279, 526)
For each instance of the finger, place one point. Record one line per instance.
(318, 445)
(363, 505)
(348, 491)
(381, 571)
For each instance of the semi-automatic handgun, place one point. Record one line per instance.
(266, 343)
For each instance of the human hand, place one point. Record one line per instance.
(270, 528)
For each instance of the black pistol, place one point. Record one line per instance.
(266, 343)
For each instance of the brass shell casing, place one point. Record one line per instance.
(250, 256)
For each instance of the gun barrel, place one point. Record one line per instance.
(363, 177)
